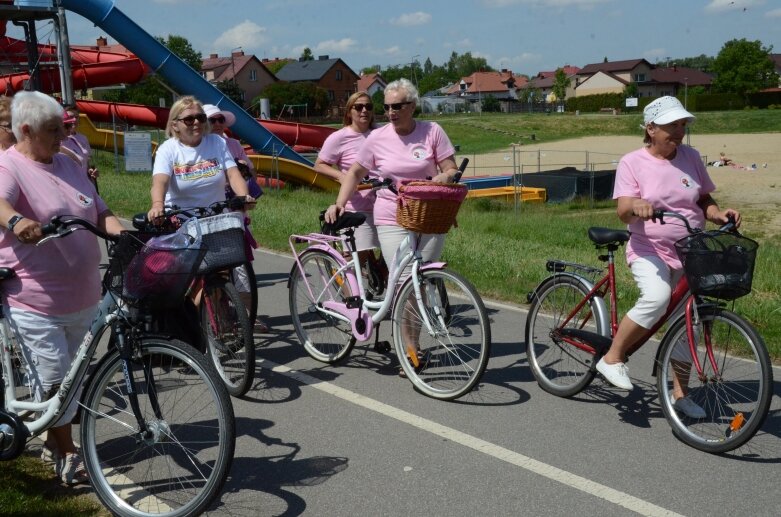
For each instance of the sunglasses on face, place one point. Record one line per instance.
(215, 120)
(396, 106)
(361, 107)
(69, 125)
(189, 120)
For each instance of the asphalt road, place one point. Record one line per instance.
(355, 439)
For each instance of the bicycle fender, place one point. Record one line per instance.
(337, 256)
(602, 313)
(433, 265)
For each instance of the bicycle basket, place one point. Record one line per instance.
(223, 235)
(428, 206)
(718, 264)
(160, 272)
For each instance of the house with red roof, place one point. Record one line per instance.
(371, 83)
(651, 81)
(501, 85)
(248, 71)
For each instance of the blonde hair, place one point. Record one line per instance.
(348, 108)
(5, 108)
(186, 102)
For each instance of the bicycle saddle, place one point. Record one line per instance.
(347, 220)
(6, 272)
(607, 235)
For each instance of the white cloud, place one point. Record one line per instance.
(720, 6)
(335, 46)
(411, 19)
(655, 54)
(775, 13)
(247, 34)
(583, 4)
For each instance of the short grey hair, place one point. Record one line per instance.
(33, 109)
(411, 93)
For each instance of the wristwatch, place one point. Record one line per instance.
(13, 220)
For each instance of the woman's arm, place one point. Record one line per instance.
(328, 169)
(239, 186)
(159, 189)
(714, 214)
(448, 168)
(109, 223)
(629, 209)
(349, 184)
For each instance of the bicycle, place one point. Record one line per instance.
(332, 310)
(569, 328)
(223, 317)
(157, 425)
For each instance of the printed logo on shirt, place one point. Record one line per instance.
(419, 153)
(686, 182)
(83, 200)
(197, 171)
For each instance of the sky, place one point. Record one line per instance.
(525, 36)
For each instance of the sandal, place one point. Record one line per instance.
(416, 359)
(72, 470)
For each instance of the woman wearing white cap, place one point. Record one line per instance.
(665, 174)
(220, 121)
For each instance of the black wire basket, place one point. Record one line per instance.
(144, 273)
(718, 264)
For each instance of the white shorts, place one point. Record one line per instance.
(656, 282)
(366, 234)
(49, 344)
(431, 245)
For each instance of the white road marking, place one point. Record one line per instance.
(543, 469)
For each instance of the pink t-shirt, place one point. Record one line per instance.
(341, 149)
(235, 148)
(672, 185)
(410, 157)
(79, 145)
(62, 276)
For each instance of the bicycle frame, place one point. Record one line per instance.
(108, 312)
(353, 311)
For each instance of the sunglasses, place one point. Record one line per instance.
(6, 126)
(217, 119)
(361, 107)
(396, 106)
(69, 125)
(189, 120)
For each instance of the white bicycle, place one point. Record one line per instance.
(157, 424)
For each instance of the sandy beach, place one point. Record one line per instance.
(737, 187)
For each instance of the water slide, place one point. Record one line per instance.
(104, 14)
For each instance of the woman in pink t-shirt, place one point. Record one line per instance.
(663, 175)
(54, 294)
(340, 151)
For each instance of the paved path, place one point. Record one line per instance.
(355, 439)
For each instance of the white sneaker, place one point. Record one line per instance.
(688, 407)
(72, 471)
(616, 374)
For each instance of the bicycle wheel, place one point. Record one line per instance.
(228, 334)
(736, 397)
(451, 356)
(560, 368)
(325, 337)
(253, 308)
(177, 464)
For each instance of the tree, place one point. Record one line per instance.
(490, 103)
(150, 90)
(232, 90)
(306, 55)
(631, 90)
(281, 93)
(744, 67)
(560, 84)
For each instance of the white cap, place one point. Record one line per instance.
(665, 110)
(211, 111)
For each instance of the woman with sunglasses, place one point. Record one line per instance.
(404, 149)
(193, 166)
(340, 151)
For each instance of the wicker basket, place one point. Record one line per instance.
(428, 206)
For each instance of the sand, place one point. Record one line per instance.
(736, 187)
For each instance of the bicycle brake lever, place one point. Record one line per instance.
(56, 235)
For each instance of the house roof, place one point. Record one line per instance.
(613, 67)
(681, 75)
(312, 70)
(487, 82)
(366, 80)
(225, 66)
(612, 76)
(569, 70)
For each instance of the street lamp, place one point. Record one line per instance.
(414, 72)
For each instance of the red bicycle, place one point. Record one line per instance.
(716, 357)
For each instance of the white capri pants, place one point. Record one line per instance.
(49, 344)
(390, 236)
(656, 282)
(366, 234)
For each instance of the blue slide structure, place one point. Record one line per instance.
(184, 79)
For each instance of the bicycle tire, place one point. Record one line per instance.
(253, 308)
(559, 368)
(324, 337)
(452, 361)
(228, 334)
(737, 400)
(181, 465)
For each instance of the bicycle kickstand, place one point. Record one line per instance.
(382, 347)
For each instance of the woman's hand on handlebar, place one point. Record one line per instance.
(155, 215)
(728, 215)
(333, 212)
(28, 231)
(642, 209)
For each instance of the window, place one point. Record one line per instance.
(253, 75)
(338, 75)
(331, 95)
(639, 78)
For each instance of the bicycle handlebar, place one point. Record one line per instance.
(729, 226)
(141, 221)
(63, 225)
